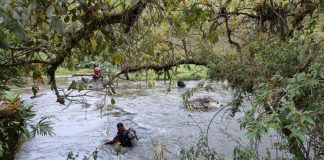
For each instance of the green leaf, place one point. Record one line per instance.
(134, 2)
(32, 4)
(110, 3)
(151, 84)
(73, 85)
(82, 86)
(309, 120)
(118, 148)
(113, 101)
(50, 10)
(116, 58)
(3, 43)
(26, 132)
(291, 113)
(43, 127)
(17, 29)
(60, 27)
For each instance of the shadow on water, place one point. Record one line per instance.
(153, 113)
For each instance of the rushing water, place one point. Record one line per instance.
(153, 113)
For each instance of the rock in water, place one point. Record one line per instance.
(203, 103)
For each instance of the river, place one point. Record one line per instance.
(154, 113)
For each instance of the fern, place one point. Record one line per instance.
(43, 128)
(27, 112)
(11, 97)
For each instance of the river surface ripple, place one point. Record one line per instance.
(153, 113)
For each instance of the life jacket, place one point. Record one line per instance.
(129, 138)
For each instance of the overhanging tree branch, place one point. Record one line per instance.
(127, 17)
(157, 67)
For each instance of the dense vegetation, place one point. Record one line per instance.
(269, 51)
(16, 125)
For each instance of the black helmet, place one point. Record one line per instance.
(120, 124)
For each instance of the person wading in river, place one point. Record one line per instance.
(127, 138)
(181, 84)
(97, 74)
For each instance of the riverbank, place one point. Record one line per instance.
(183, 72)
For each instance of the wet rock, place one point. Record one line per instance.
(203, 103)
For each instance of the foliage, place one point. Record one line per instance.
(12, 97)
(200, 151)
(43, 128)
(19, 124)
(10, 76)
(65, 71)
(183, 72)
(240, 153)
(92, 156)
(87, 33)
(285, 83)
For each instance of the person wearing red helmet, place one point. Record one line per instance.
(96, 74)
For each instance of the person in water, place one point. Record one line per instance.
(181, 84)
(127, 138)
(96, 74)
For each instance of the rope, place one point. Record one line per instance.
(105, 99)
(106, 122)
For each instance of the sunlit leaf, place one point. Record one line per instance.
(151, 84)
(116, 58)
(73, 85)
(82, 86)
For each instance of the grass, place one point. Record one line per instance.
(64, 71)
(183, 72)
